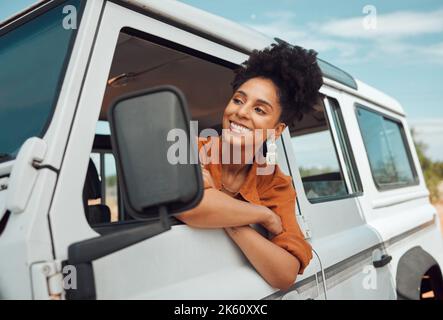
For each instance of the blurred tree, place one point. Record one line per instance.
(432, 171)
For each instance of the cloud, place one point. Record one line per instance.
(353, 44)
(428, 126)
(400, 24)
(435, 51)
(284, 25)
(410, 52)
(280, 23)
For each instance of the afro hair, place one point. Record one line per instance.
(294, 71)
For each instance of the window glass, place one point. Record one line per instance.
(111, 189)
(386, 149)
(32, 64)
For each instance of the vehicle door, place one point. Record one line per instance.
(183, 263)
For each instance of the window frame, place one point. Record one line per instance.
(406, 145)
(341, 151)
(345, 144)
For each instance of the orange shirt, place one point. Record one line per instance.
(274, 191)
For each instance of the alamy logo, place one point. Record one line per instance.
(370, 280)
(70, 19)
(370, 20)
(69, 277)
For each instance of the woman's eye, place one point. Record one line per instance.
(259, 110)
(237, 101)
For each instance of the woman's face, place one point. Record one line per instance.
(253, 107)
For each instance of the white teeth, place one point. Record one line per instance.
(239, 128)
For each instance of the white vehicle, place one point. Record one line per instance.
(361, 197)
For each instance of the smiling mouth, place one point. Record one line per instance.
(238, 128)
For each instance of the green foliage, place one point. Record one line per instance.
(313, 171)
(111, 181)
(432, 171)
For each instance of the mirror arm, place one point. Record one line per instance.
(164, 217)
(81, 254)
(101, 246)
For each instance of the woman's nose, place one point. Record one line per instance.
(243, 111)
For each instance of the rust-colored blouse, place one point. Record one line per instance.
(274, 191)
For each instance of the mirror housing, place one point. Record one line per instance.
(140, 123)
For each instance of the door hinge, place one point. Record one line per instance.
(47, 281)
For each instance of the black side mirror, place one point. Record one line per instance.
(152, 187)
(140, 123)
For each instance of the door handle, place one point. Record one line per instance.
(384, 260)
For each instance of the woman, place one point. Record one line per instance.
(270, 90)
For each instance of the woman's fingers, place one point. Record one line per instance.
(273, 223)
(277, 227)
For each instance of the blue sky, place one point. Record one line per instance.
(403, 56)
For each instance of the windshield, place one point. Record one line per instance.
(33, 60)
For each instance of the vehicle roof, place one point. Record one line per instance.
(241, 37)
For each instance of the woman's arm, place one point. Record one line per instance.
(276, 265)
(218, 210)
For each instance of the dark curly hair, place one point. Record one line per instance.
(295, 72)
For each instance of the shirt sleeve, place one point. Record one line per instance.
(280, 198)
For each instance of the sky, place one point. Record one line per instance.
(395, 46)
(402, 56)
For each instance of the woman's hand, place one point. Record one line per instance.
(207, 179)
(272, 222)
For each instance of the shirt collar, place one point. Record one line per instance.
(248, 189)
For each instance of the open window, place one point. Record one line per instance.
(142, 61)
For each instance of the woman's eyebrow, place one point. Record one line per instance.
(258, 100)
(241, 92)
(265, 102)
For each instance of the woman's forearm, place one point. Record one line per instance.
(277, 266)
(218, 210)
